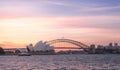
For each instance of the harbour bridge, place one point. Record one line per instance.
(76, 43)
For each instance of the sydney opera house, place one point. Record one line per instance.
(40, 48)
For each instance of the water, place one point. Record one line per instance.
(61, 62)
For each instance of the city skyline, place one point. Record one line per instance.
(29, 21)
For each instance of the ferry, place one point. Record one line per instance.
(24, 54)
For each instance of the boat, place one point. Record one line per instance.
(24, 54)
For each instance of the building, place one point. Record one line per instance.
(40, 48)
(108, 49)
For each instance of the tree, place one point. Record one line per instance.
(1, 51)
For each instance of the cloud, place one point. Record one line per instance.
(2, 45)
(7, 44)
(20, 8)
(111, 22)
(37, 8)
(99, 8)
(38, 19)
(105, 22)
(85, 7)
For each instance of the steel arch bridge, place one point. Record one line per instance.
(77, 43)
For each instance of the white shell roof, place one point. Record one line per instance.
(41, 46)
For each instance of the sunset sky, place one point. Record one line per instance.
(88, 21)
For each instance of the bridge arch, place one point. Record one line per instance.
(77, 43)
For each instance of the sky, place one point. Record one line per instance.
(88, 21)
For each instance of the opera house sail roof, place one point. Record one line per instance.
(40, 46)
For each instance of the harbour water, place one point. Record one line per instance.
(61, 62)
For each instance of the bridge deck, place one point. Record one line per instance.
(68, 48)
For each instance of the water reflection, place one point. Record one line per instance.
(61, 62)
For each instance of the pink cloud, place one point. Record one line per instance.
(88, 29)
(7, 44)
(90, 22)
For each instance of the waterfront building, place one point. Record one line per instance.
(92, 49)
(108, 49)
(100, 47)
(40, 48)
(20, 50)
